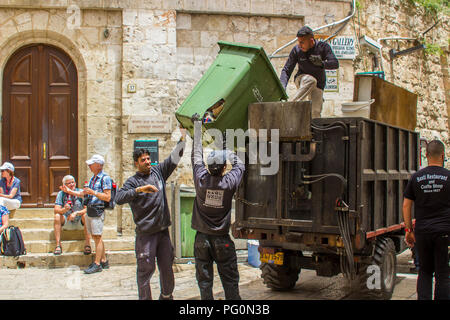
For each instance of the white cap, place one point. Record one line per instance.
(96, 158)
(7, 166)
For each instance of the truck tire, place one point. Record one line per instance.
(384, 265)
(280, 278)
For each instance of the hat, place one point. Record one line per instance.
(7, 166)
(96, 158)
(304, 31)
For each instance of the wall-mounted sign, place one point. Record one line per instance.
(150, 124)
(151, 146)
(344, 47)
(332, 84)
(131, 88)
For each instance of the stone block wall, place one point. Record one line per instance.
(419, 72)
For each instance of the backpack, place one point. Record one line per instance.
(11, 242)
(109, 205)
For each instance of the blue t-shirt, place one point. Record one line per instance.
(62, 198)
(15, 184)
(99, 183)
(3, 211)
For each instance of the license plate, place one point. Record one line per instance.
(275, 258)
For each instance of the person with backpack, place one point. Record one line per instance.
(11, 240)
(70, 214)
(96, 194)
(145, 192)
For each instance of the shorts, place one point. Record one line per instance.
(75, 224)
(94, 225)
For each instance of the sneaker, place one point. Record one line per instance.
(104, 265)
(93, 268)
(162, 297)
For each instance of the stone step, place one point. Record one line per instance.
(78, 259)
(29, 213)
(32, 223)
(49, 234)
(47, 246)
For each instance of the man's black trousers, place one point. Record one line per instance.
(433, 260)
(219, 249)
(148, 248)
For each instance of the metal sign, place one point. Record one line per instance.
(332, 84)
(151, 146)
(344, 47)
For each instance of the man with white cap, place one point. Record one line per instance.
(9, 188)
(95, 194)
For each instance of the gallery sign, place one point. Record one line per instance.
(344, 47)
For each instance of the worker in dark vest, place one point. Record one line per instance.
(313, 58)
(212, 217)
(429, 191)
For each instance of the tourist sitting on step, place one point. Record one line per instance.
(70, 214)
(9, 188)
(4, 218)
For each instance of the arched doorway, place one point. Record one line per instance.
(39, 120)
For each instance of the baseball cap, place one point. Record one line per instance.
(304, 31)
(96, 158)
(7, 166)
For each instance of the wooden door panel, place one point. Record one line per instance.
(59, 129)
(56, 176)
(24, 174)
(22, 74)
(20, 127)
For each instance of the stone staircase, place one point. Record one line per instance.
(37, 231)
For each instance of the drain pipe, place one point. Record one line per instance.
(273, 55)
(381, 46)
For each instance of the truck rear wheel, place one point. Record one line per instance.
(280, 278)
(377, 280)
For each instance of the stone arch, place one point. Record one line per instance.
(21, 39)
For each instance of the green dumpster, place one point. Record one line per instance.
(241, 74)
(187, 233)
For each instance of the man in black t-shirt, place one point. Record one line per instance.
(429, 190)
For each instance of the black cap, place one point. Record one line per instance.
(304, 31)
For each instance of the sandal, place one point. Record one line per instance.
(87, 250)
(58, 251)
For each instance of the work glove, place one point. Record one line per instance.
(316, 60)
(195, 117)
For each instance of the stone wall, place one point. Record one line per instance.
(419, 72)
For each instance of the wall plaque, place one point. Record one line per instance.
(150, 124)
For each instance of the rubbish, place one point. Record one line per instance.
(209, 117)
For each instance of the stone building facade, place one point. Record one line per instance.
(142, 58)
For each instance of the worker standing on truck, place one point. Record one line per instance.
(429, 190)
(211, 217)
(313, 58)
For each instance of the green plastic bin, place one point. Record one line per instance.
(241, 74)
(187, 233)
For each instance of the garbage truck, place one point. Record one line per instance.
(334, 202)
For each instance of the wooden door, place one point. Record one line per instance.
(39, 121)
